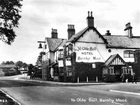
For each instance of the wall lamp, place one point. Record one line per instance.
(40, 44)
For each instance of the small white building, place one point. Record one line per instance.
(51, 54)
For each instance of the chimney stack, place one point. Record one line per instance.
(71, 30)
(90, 20)
(54, 33)
(128, 29)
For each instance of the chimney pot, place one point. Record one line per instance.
(91, 13)
(88, 14)
(128, 29)
(90, 19)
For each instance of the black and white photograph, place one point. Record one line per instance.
(69, 52)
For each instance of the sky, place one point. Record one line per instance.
(40, 16)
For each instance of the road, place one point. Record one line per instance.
(43, 93)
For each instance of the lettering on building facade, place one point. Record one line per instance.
(87, 53)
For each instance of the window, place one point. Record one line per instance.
(130, 70)
(69, 73)
(124, 70)
(105, 70)
(127, 70)
(61, 53)
(111, 69)
(69, 49)
(128, 54)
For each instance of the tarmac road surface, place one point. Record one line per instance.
(42, 93)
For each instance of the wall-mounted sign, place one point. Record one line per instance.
(87, 53)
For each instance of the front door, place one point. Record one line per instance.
(118, 72)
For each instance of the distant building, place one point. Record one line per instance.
(49, 61)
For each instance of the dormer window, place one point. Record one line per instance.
(128, 54)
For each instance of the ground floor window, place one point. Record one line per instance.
(127, 70)
(69, 73)
(111, 69)
(105, 70)
(130, 69)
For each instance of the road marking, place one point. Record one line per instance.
(125, 92)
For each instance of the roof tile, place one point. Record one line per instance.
(54, 43)
(118, 41)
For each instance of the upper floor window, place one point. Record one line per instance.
(61, 53)
(69, 50)
(128, 54)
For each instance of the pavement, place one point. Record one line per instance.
(24, 77)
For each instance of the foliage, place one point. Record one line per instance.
(30, 69)
(9, 19)
(39, 59)
(7, 63)
(21, 64)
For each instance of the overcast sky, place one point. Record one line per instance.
(40, 16)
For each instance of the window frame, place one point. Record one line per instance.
(69, 49)
(60, 53)
(111, 70)
(128, 54)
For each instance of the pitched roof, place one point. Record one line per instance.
(120, 41)
(75, 37)
(112, 41)
(108, 61)
(111, 59)
(54, 43)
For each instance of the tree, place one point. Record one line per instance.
(21, 64)
(9, 19)
(25, 65)
(7, 63)
(30, 69)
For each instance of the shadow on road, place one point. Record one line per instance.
(4, 100)
(20, 83)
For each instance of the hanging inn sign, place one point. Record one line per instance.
(86, 52)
